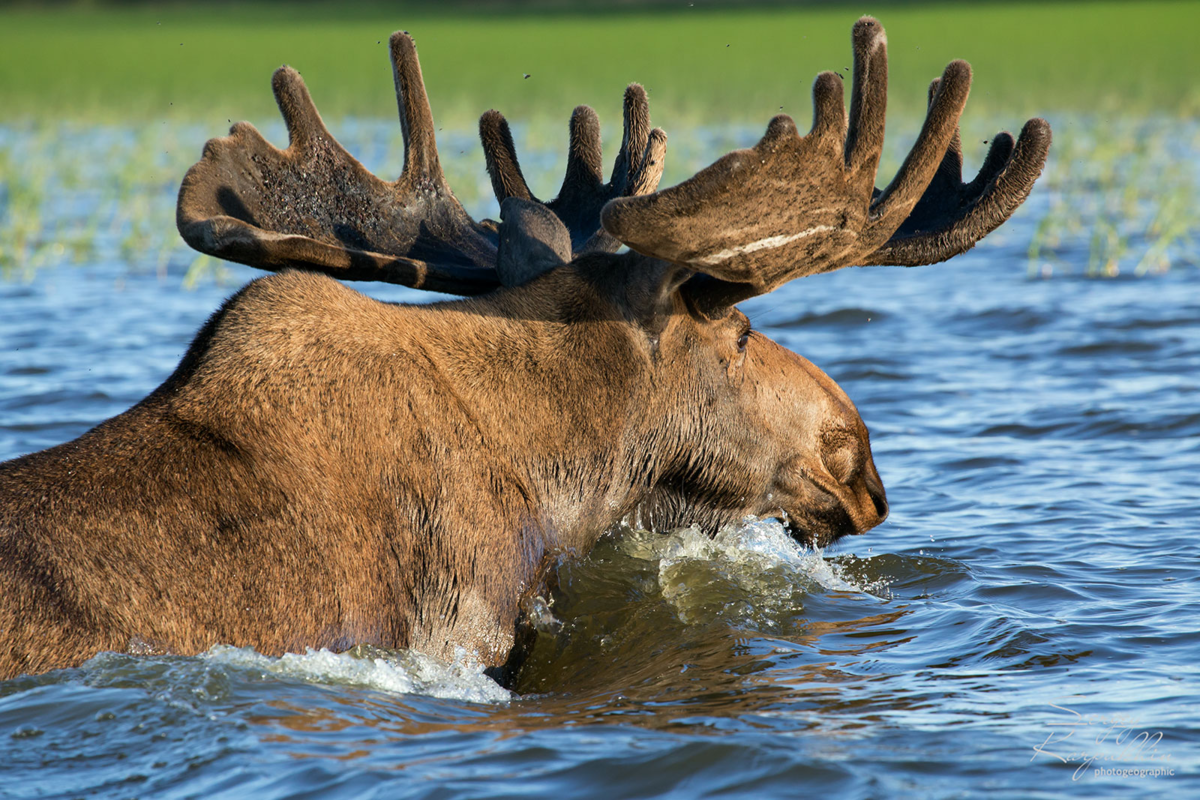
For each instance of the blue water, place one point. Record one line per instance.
(1031, 602)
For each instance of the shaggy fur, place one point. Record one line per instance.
(324, 470)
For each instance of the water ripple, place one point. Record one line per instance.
(1038, 440)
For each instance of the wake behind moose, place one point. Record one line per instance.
(323, 470)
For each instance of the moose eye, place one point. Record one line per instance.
(742, 341)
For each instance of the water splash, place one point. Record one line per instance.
(392, 671)
(758, 544)
(752, 573)
(752, 547)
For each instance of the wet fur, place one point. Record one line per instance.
(325, 470)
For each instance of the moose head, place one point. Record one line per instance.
(351, 471)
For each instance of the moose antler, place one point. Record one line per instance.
(796, 205)
(636, 171)
(314, 206)
(790, 206)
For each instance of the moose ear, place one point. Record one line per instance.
(651, 289)
(532, 241)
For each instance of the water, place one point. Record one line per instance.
(1036, 585)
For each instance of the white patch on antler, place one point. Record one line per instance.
(769, 243)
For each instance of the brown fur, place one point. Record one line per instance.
(324, 470)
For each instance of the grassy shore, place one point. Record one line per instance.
(211, 63)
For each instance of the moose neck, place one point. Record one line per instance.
(556, 377)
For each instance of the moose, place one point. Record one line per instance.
(324, 470)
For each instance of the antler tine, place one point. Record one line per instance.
(953, 157)
(295, 104)
(645, 178)
(997, 156)
(314, 206)
(868, 99)
(416, 118)
(585, 161)
(500, 155)
(635, 135)
(829, 108)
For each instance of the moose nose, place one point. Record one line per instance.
(875, 491)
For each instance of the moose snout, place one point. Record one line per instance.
(863, 494)
(863, 498)
(848, 473)
(864, 506)
(874, 489)
(822, 508)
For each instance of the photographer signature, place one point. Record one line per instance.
(1120, 738)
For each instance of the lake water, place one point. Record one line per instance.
(1025, 624)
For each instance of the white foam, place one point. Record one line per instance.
(755, 544)
(397, 672)
(752, 573)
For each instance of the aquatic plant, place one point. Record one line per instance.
(1119, 197)
(1124, 192)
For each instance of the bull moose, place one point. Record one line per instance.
(324, 470)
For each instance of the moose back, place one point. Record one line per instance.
(324, 470)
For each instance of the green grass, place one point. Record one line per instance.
(213, 63)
